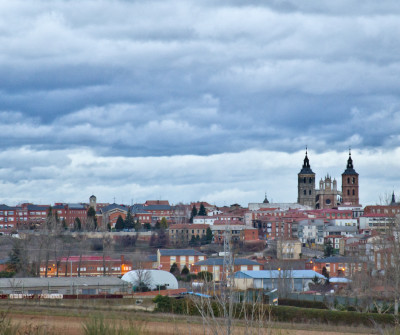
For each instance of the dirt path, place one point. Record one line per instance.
(156, 324)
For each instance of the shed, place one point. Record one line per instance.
(290, 280)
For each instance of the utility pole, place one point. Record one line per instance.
(227, 282)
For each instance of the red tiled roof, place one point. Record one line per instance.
(156, 202)
(88, 258)
(188, 226)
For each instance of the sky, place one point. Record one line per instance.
(196, 100)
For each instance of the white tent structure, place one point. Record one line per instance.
(152, 278)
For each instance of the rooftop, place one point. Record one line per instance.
(180, 252)
(273, 274)
(220, 261)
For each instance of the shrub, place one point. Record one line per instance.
(302, 303)
(283, 313)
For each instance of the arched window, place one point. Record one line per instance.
(354, 192)
(310, 180)
(309, 192)
(305, 192)
(348, 192)
(354, 180)
(348, 180)
(304, 180)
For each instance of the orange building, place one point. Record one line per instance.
(182, 258)
(338, 266)
(215, 266)
(90, 266)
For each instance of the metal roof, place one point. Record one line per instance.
(339, 280)
(152, 258)
(157, 207)
(6, 208)
(37, 207)
(220, 261)
(59, 282)
(180, 252)
(76, 206)
(274, 274)
(336, 259)
(113, 206)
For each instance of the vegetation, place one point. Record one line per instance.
(96, 325)
(91, 220)
(328, 249)
(209, 235)
(193, 213)
(202, 210)
(120, 223)
(282, 313)
(129, 222)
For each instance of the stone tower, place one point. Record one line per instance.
(306, 185)
(350, 185)
(92, 202)
(327, 196)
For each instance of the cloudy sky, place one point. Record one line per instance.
(193, 100)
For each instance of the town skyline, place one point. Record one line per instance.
(281, 188)
(214, 102)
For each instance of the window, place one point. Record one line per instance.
(354, 180)
(354, 192)
(309, 192)
(348, 192)
(305, 192)
(348, 180)
(304, 180)
(310, 180)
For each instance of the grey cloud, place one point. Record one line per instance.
(177, 78)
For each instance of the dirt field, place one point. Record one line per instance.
(69, 321)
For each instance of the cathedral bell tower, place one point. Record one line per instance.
(350, 185)
(306, 184)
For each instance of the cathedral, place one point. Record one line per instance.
(328, 195)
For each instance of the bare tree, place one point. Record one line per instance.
(390, 262)
(220, 314)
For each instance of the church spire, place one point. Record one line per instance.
(306, 168)
(350, 161)
(306, 163)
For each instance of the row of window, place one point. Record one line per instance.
(6, 213)
(348, 192)
(6, 219)
(6, 226)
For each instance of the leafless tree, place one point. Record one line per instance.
(220, 314)
(106, 243)
(390, 258)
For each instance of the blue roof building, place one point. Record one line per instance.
(283, 280)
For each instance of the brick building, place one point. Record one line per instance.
(215, 266)
(182, 257)
(182, 234)
(339, 266)
(89, 266)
